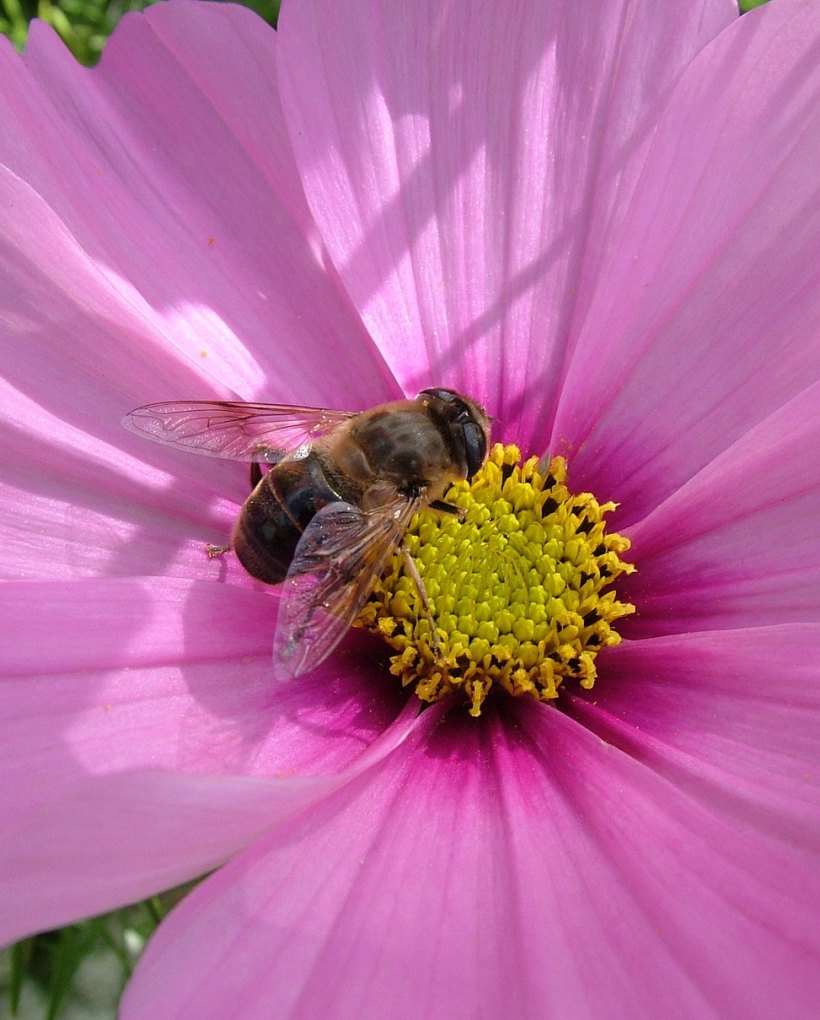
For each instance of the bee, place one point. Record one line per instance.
(337, 496)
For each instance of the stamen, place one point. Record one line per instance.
(515, 585)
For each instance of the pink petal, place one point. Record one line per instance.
(128, 705)
(112, 674)
(109, 840)
(484, 871)
(468, 174)
(739, 544)
(163, 187)
(729, 716)
(706, 319)
(72, 503)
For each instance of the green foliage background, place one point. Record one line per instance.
(78, 972)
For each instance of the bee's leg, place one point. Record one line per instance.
(256, 474)
(445, 507)
(448, 508)
(216, 550)
(415, 576)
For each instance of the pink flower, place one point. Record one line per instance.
(603, 224)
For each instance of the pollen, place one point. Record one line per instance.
(519, 586)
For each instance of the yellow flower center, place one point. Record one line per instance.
(515, 585)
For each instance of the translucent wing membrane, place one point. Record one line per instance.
(339, 557)
(232, 429)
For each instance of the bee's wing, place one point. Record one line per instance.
(233, 429)
(336, 564)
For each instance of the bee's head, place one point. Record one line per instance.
(464, 424)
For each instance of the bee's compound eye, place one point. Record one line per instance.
(475, 446)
